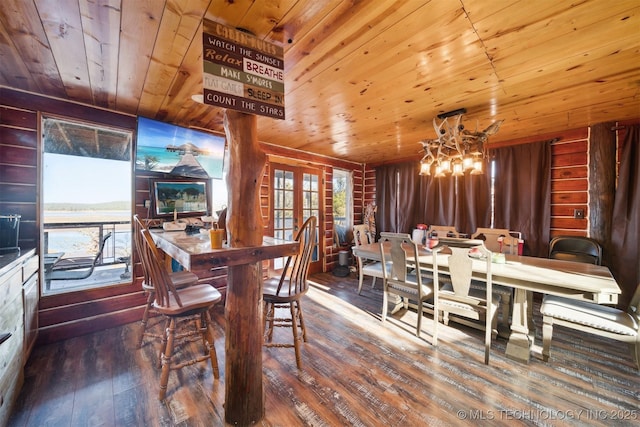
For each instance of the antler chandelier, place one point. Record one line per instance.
(456, 149)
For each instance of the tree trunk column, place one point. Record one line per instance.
(602, 182)
(244, 393)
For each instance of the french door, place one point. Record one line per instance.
(297, 195)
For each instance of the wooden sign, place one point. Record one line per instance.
(242, 72)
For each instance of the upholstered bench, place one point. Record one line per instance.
(585, 316)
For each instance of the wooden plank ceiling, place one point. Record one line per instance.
(364, 79)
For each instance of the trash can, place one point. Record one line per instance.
(343, 258)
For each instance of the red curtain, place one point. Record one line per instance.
(523, 193)
(625, 230)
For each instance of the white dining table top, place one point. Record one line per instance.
(549, 276)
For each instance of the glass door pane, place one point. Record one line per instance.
(296, 196)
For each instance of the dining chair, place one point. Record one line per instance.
(180, 279)
(400, 278)
(442, 231)
(576, 248)
(191, 303)
(456, 296)
(76, 268)
(498, 240)
(286, 292)
(593, 318)
(362, 236)
(508, 245)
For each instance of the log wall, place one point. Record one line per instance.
(76, 313)
(570, 184)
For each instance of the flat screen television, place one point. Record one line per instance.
(180, 197)
(167, 148)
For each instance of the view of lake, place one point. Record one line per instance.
(83, 241)
(86, 216)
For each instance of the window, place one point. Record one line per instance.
(342, 205)
(86, 194)
(219, 192)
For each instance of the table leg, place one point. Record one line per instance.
(519, 345)
(395, 304)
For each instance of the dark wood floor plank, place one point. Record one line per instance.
(356, 371)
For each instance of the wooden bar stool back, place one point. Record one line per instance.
(192, 303)
(180, 279)
(287, 291)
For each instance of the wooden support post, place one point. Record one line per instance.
(602, 181)
(244, 394)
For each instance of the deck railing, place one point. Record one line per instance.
(81, 239)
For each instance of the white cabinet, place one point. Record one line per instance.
(17, 273)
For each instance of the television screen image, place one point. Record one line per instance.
(163, 147)
(182, 197)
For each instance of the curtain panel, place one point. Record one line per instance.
(405, 199)
(397, 197)
(437, 201)
(522, 196)
(523, 193)
(473, 208)
(625, 229)
(386, 182)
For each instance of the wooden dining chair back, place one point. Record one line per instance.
(191, 303)
(180, 279)
(456, 295)
(498, 240)
(576, 248)
(442, 231)
(400, 277)
(593, 318)
(286, 291)
(362, 236)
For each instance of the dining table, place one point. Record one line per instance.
(526, 275)
(193, 250)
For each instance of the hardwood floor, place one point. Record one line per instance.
(356, 371)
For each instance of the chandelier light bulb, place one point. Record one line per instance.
(425, 168)
(477, 167)
(467, 162)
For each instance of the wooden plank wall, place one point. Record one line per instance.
(326, 166)
(60, 316)
(18, 169)
(570, 183)
(76, 313)
(368, 188)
